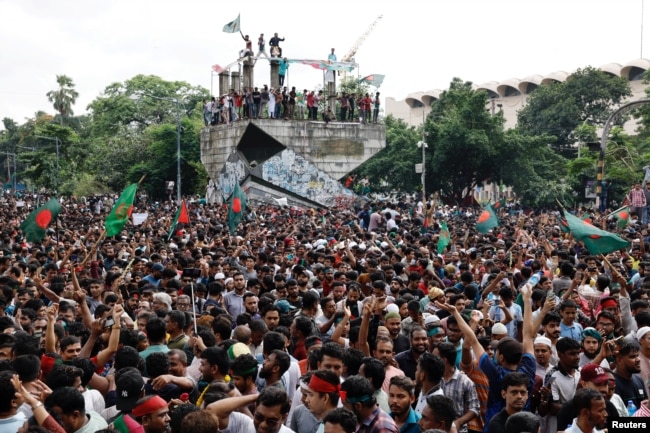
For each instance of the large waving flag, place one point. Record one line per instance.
(236, 208)
(233, 26)
(374, 79)
(36, 224)
(487, 220)
(121, 212)
(182, 216)
(596, 240)
(499, 205)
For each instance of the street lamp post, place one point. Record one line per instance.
(58, 142)
(178, 142)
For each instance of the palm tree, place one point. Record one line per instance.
(64, 97)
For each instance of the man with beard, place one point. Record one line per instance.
(629, 385)
(358, 397)
(322, 394)
(401, 397)
(591, 348)
(408, 360)
(435, 331)
(592, 412)
(514, 390)
(551, 328)
(213, 368)
(274, 366)
(438, 414)
(352, 301)
(233, 301)
(250, 304)
(294, 296)
(243, 371)
(326, 320)
(393, 322)
(384, 352)
(542, 346)
(271, 316)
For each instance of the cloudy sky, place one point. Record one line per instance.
(418, 45)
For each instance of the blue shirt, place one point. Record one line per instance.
(574, 331)
(411, 423)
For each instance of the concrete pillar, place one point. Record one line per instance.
(331, 92)
(248, 71)
(224, 83)
(275, 76)
(235, 82)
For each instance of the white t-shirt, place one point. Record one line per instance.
(240, 423)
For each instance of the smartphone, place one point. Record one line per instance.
(550, 294)
(550, 381)
(109, 322)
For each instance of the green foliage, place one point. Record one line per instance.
(465, 141)
(394, 166)
(556, 110)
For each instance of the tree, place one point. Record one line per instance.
(465, 141)
(556, 110)
(394, 166)
(64, 97)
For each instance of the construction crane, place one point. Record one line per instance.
(349, 57)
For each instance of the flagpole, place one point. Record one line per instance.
(193, 307)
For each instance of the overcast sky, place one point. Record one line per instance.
(418, 45)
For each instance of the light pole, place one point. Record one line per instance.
(178, 141)
(58, 142)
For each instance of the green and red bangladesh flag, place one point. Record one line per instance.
(499, 205)
(622, 217)
(487, 220)
(36, 224)
(182, 217)
(236, 208)
(121, 212)
(596, 240)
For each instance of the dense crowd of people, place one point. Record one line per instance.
(289, 104)
(318, 321)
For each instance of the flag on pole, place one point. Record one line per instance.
(182, 216)
(236, 208)
(564, 225)
(444, 238)
(232, 26)
(37, 222)
(487, 220)
(499, 205)
(622, 217)
(596, 240)
(374, 79)
(121, 212)
(216, 68)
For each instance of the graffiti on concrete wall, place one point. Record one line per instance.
(294, 173)
(234, 171)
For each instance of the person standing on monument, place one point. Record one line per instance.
(375, 113)
(248, 51)
(261, 47)
(274, 43)
(283, 70)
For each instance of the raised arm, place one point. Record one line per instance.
(467, 331)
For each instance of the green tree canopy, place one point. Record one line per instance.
(556, 110)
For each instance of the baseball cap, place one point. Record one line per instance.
(284, 306)
(157, 267)
(129, 385)
(594, 373)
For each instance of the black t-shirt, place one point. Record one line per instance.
(630, 389)
(498, 422)
(401, 344)
(417, 293)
